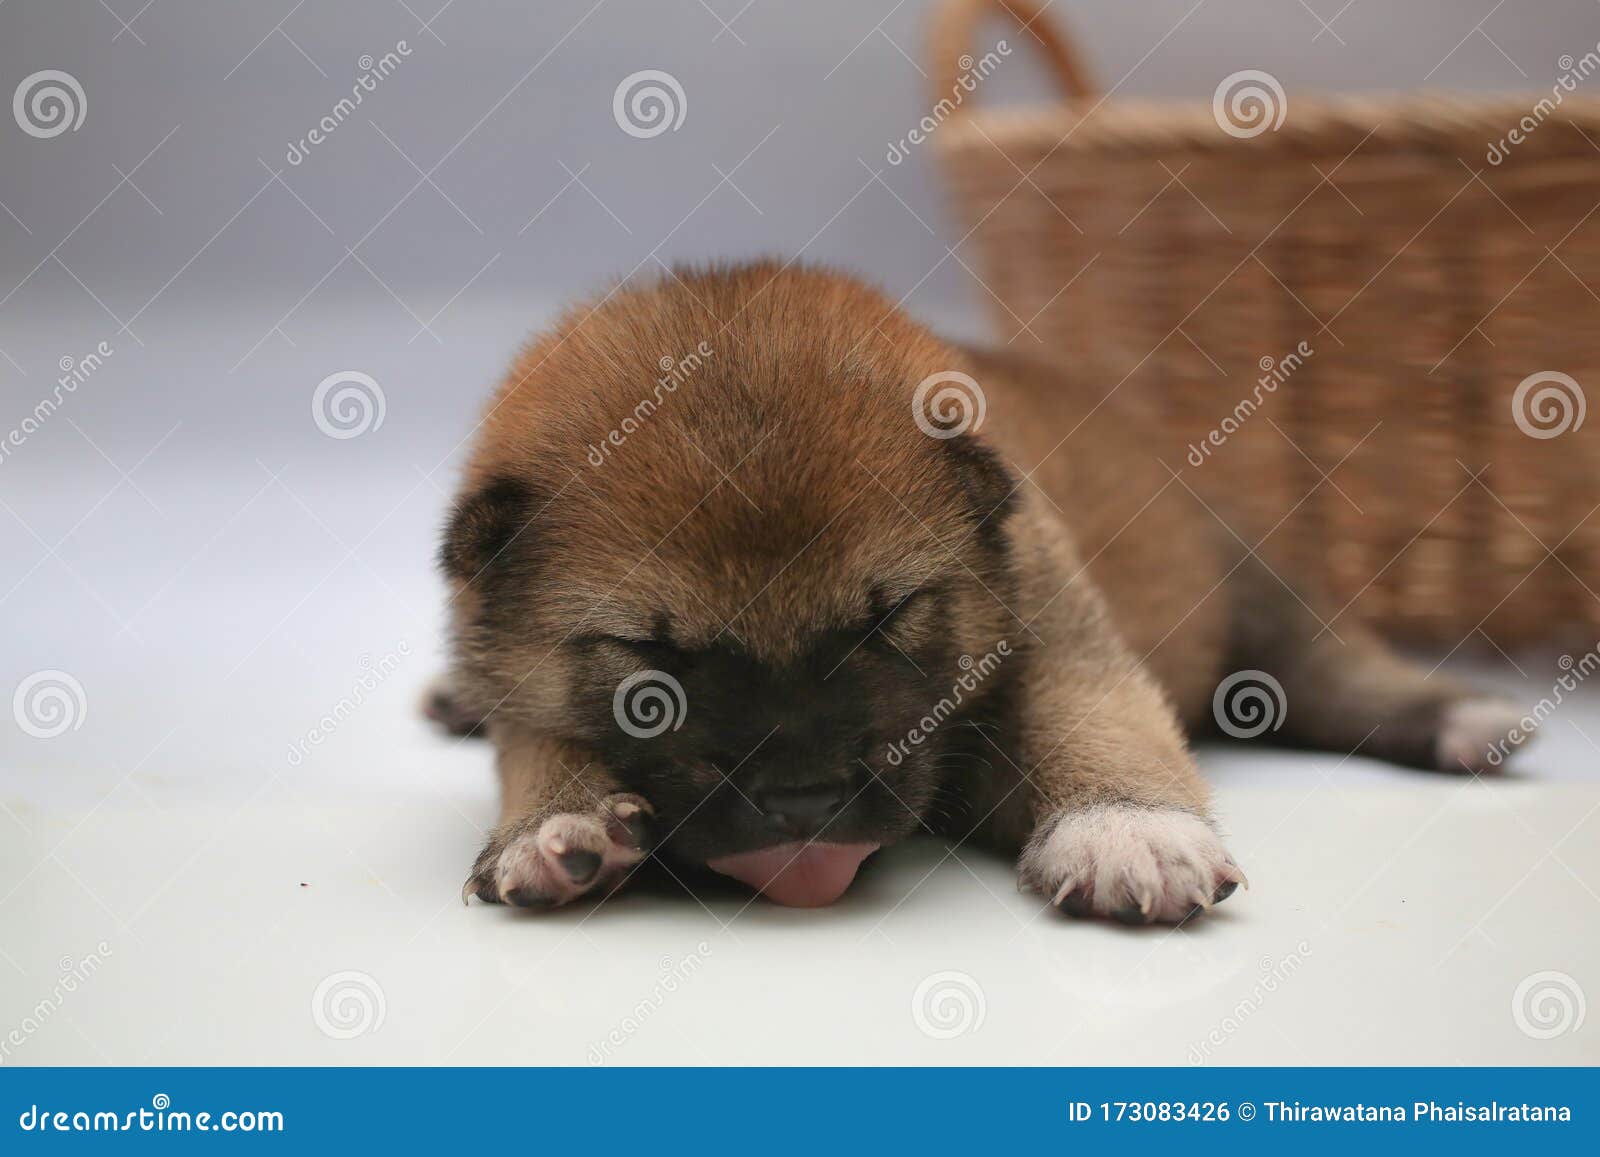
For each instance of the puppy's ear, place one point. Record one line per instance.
(990, 486)
(484, 524)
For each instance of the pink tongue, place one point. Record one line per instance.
(797, 875)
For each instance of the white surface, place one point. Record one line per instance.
(221, 598)
(1397, 912)
(1396, 922)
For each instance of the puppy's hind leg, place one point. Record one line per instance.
(1348, 691)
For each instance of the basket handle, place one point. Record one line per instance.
(955, 28)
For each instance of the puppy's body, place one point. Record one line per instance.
(1144, 540)
(729, 583)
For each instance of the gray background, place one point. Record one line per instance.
(182, 538)
(498, 96)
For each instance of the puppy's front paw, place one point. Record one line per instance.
(1135, 864)
(552, 860)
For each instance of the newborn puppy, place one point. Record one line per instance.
(751, 571)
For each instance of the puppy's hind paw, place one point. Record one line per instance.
(1136, 864)
(552, 860)
(1477, 735)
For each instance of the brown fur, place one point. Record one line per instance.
(781, 495)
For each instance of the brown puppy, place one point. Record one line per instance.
(751, 569)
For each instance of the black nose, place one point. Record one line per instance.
(803, 809)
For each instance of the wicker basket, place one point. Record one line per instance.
(1180, 253)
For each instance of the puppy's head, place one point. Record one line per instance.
(728, 532)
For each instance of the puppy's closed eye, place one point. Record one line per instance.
(903, 618)
(655, 652)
